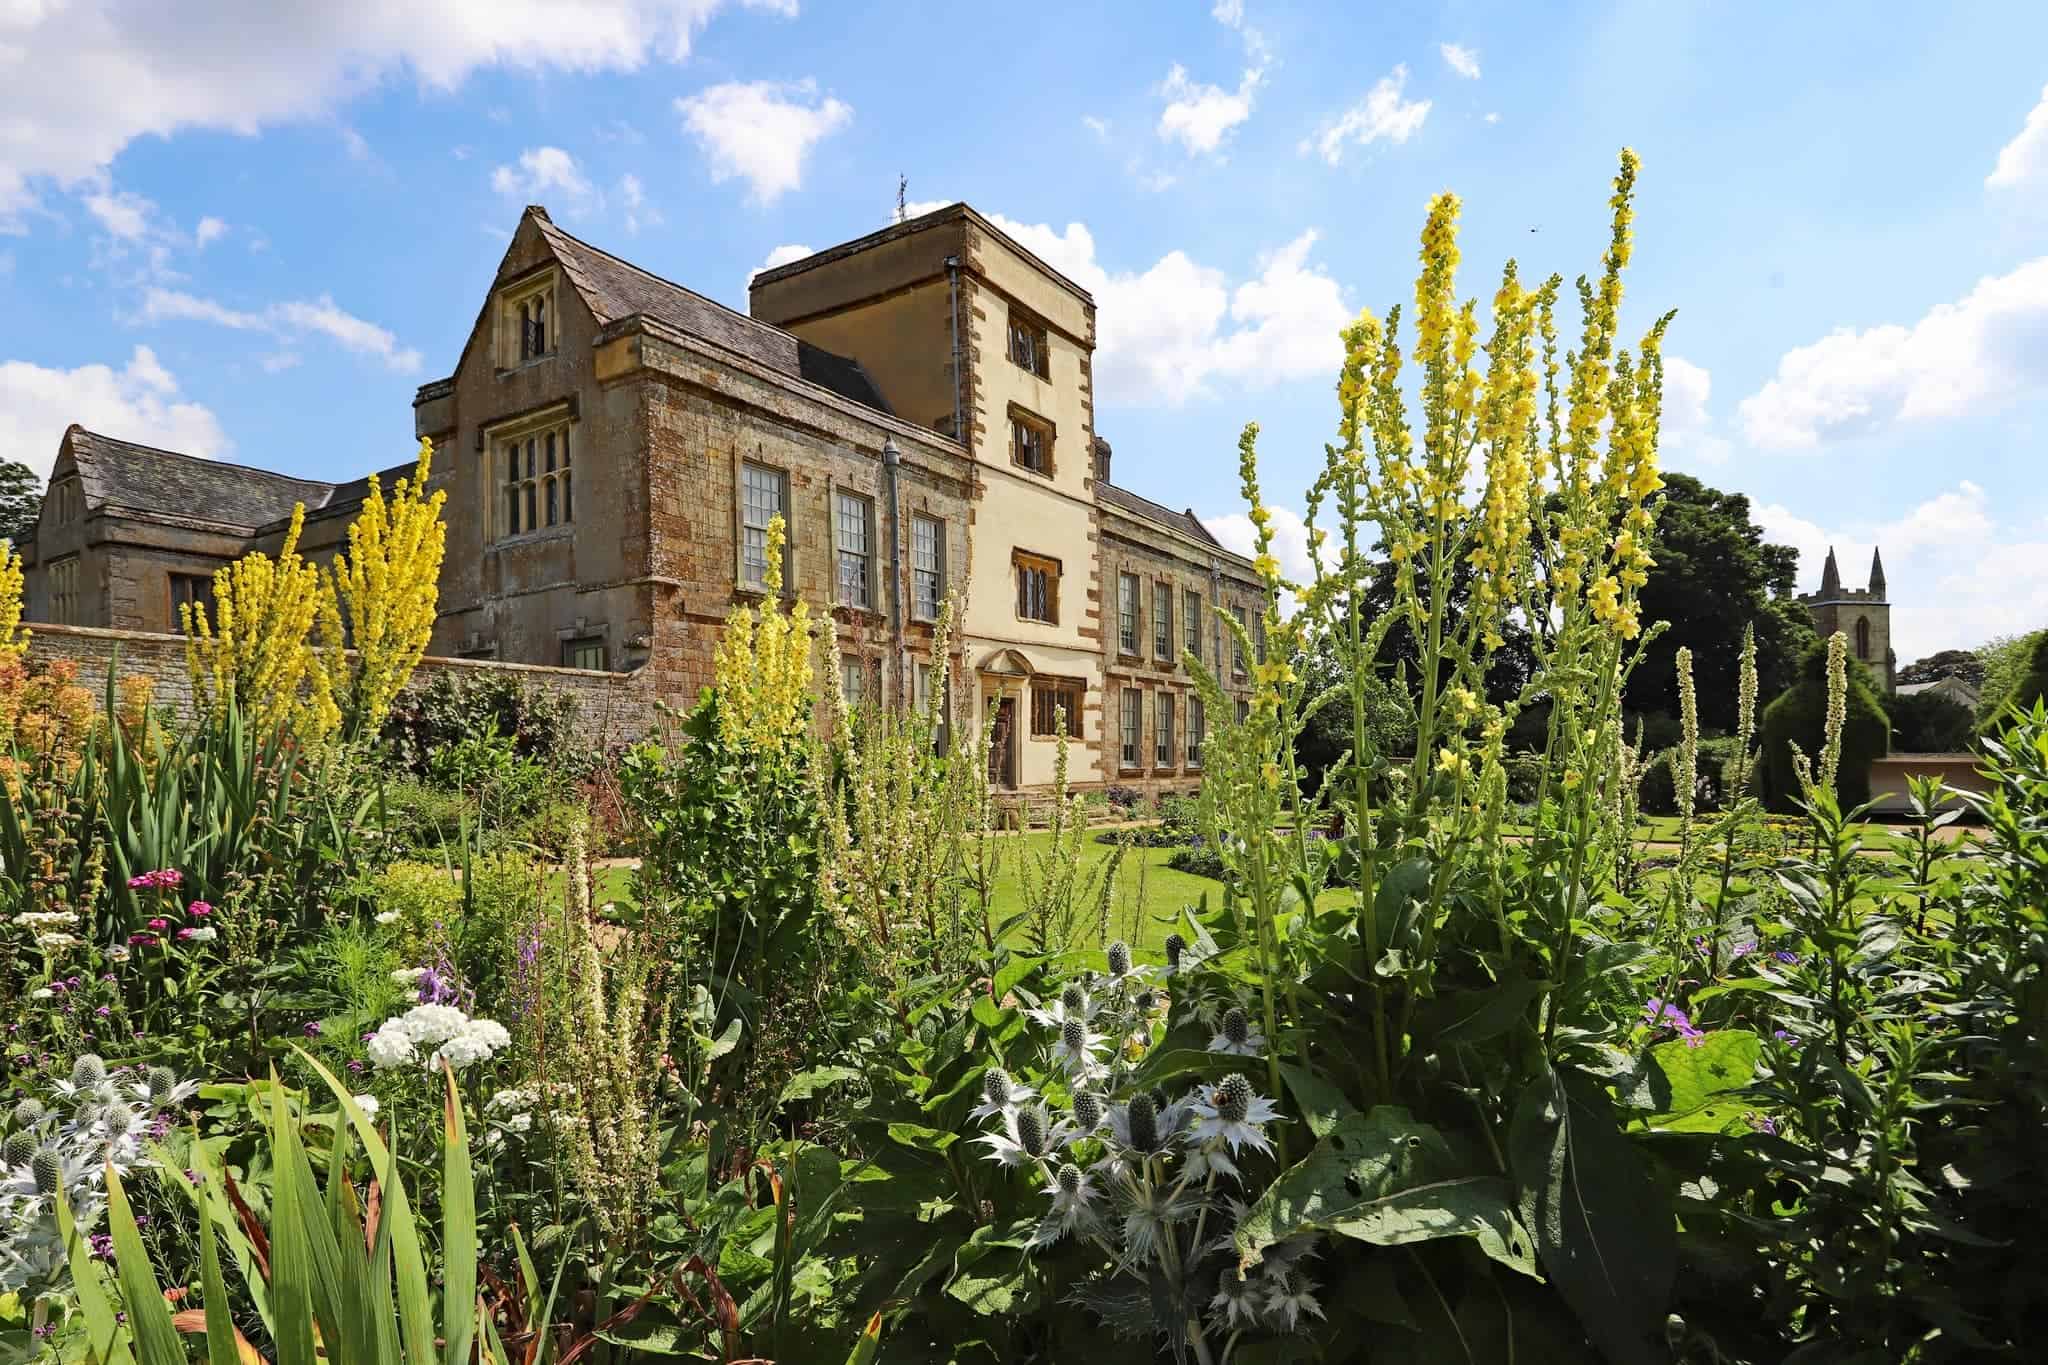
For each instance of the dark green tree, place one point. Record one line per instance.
(1799, 716)
(2031, 687)
(1966, 664)
(21, 502)
(1930, 723)
(1715, 575)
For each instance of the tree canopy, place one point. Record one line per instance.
(1966, 664)
(21, 502)
(1716, 575)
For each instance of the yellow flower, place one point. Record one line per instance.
(1271, 774)
(1266, 567)
(1450, 761)
(1571, 779)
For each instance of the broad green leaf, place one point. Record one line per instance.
(869, 1347)
(149, 1319)
(106, 1339)
(1604, 1233)
(1699, 1078)
(458, 1229)
(1381, 1177)
(220, 1326)
(805, 1084)
(1322, 1104)
(922, 1138)
(1475, 1016)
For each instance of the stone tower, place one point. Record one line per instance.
(1862, 614)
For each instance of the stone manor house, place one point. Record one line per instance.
(916, 404)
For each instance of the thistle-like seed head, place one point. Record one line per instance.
(88, 1071)
(1031, 1131)
(1073, 1035)
(1073, 997)
(1119, 958)
(1144, 1116)
(1175, 946)
(19, 1147)
(48, 1168)
(1236, 1027)
(1070, 1179)
(1146, 1002)
(29, 1113)
(1087, 1110)
(161, 1081)
(995, 1086)
(1233, 1098)
(120, 1120)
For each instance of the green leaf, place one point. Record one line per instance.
(106, 1340)
(1698, 1078)
(725, 1042)
(869, 1348)
(1604, 1232)
(805, 1084)
(1405, 882)
(458, 1229)
(1475, 1016)
(149, 1319)
(1383, 1178)
(918, 1136)
(1322, 1104)
(220, 1326)
(1181, 1063)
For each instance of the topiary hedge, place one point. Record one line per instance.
(1799, 715)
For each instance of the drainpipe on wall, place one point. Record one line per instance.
(892, 458)
(953, 321)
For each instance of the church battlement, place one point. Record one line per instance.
(1864, 615)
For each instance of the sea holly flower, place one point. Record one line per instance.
(1028, 1135)
(1289, 1296)
(1074, 1003)
(1088, 1114)
(1231, 1116)
(1236, 1036)
(1119, 959)
(1076, 1050)
(1144, 1126)
(999, 1093)
(1073, 1195)
(1177, 959)
(1238, 1300)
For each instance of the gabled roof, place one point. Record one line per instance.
(118, 473)
(613, 289)
(1187, 523)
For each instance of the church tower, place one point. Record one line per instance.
(1862, 614)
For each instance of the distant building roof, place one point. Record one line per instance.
(1187, 523)
(150, 479)
(1950, 686)
(613, 288)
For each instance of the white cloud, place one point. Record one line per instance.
(1178, 329)
(1229, 13)
(209, 231)
(1493, 118)
(1200, 116)
(1382, 116)
(1097, 126)
(357, 145)
(278, 361)
(1987, 348)
(783, 255)
(85, 78)
(1954, 574)
(541, 169)
(295, 318)
(2025, 158)
(1688, 434)
(1290, 541)
(1462, 60)
(124, 215)
(761, 131)
(139, 403)
(633, 196)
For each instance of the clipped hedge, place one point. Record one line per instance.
(1799, 715)
(2032, 687)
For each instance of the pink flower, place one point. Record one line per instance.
(184, 933)
(141, 940)
(199, 908)
(159, 924)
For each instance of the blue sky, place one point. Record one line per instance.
(249, 232)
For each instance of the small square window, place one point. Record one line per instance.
(190, 590)
(586, 653)
(1038, 588)
(1028, 349)
(1030, 443)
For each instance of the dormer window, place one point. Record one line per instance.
(527, 323)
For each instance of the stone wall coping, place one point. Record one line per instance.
(162, 638)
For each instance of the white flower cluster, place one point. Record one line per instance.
(441, 1033)
(409, 976)
(389, 916)
(50, 928)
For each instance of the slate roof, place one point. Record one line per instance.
(120, 473)
(1187, 523)
(614, 289)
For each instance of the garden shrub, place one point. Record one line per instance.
(1799, 716)
(538, 722)
(1930, 723)
(2029, 688)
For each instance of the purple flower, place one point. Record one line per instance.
(102, 1246)
(104, 1010)
(355, 1068)
(1784, 956)
(1742, 949)
(47, 1330)
(1658, 1013)
(312, 1029)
